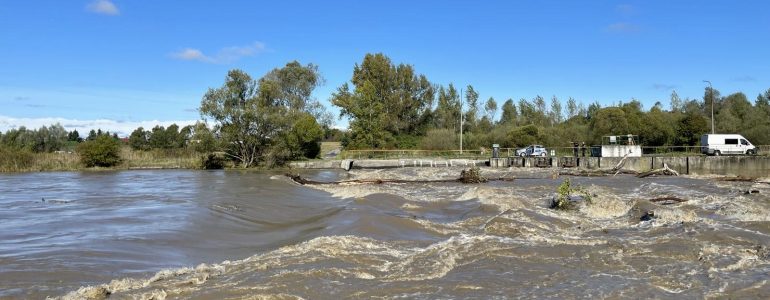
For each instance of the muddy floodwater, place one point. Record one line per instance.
(233, 235)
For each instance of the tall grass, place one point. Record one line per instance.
(16, 160)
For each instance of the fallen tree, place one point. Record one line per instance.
(667, 200)
(662, 171)
(596, 172)
(466, 176)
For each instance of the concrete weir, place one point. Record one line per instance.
(747, 166)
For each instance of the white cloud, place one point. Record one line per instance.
(104, 7)
(191, 54)
(122, 128)
(224, 56)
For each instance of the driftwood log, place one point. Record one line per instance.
(662, 171)
(596, 173)
(667, 200)
(737, 179)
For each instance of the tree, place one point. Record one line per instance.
(303, 139)
(509, 114)
(470, 116)
(656, 129)
(385, 100)
(139, 139)
(609, 121)
(367, 119)
(555, 113)
(91, 135)
(158, 138)
(447, 114)
(74, 136)
(491, 108)
(524, 135)
(676, 103)
(540, 110)
(244, 122)
(253, 117)
(572, 109)
(103, 151)
(202, 139)
(690, 128)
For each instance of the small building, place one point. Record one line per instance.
(618, 146)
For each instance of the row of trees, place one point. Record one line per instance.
(172, 137)
(391, 106)
(46, 138)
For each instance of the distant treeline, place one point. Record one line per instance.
(391, 106)
(46, 138)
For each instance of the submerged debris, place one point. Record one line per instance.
(667, 200)
(472, 175)
(567, 197)
(763, 252)
(649, 215)
(596, 173)
(737, 178)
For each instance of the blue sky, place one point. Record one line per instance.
(119, 63)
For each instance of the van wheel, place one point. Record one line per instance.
(750, 152)
(522, 155)
(717, 153)
(542, 154)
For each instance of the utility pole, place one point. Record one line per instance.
(711, 97)
(461, 121)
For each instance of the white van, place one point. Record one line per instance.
(720, 144)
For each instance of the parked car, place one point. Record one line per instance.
(720, 144)
(534, 150)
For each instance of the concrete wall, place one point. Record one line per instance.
(322, 164)
(747, 166)
(503, 162)
(680, 164)
(589, 162)
(640, 164)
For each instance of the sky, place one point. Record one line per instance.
(121, 64)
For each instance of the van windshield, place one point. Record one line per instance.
(744, 142)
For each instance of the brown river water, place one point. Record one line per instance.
(258, 235)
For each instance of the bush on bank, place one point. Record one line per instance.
(104, 151)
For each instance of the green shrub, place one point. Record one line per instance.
(103, 151)
(212, 161)
(440, 139)
(277, 156)
(565, 192)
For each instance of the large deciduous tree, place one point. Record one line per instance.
(253, 117)
(385, 101)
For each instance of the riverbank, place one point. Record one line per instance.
(22, 161)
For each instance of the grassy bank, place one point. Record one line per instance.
(25, 161)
